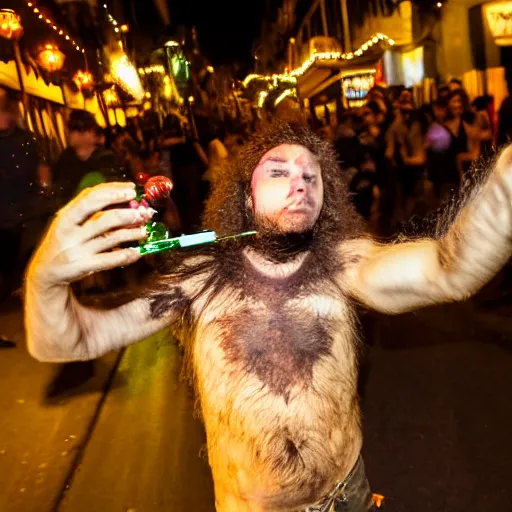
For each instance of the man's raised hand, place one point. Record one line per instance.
(80, 240)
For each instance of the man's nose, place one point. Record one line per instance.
(298, 185)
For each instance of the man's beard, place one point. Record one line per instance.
(278, 244)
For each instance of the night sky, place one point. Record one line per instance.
(227, 28)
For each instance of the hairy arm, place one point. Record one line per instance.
(402, 277)
(59, 328)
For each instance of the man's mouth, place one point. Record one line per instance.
(298, 209)
(302, 207)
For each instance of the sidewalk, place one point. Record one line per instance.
(46, 412)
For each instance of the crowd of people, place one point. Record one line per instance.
(405, 159)
(400, 159)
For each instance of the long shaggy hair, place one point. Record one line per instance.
(228, 212)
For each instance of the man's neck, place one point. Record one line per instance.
(84, 153)
(272, 268)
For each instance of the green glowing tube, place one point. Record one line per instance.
(152, 246)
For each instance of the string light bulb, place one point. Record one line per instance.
(54, 26)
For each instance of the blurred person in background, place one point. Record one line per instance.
(373, 138)
(84, 159)
(437, 144)
(484, 109)
(413, 158)
(24, 176)
(462, 150)
(455, 85)
(505, 114)
(356, 163)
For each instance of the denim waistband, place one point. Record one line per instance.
(352, 493)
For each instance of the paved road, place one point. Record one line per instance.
(438, 412)
(436, 390)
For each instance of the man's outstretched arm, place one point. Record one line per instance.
(79, 243)
(401, 277)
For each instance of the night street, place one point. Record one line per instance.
(120, 435)
(244, 175)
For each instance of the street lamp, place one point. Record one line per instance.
(83, 80)
(51, 58)
(10, 25)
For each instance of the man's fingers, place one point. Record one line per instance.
(112, 219)
(100, 262)
(94, 199)
(113, 239)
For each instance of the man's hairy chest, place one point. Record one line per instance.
(281, 345)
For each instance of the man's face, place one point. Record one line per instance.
(287, 189)
(454, 86)
(455, 106)
(78, 140)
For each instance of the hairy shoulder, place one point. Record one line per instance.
(176, 288)
(356, 249)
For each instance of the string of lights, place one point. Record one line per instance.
(284, 94)
(291, 78)
(275, 78)
(117, 28)
(148, 70)
(342, 56)
(55, 27)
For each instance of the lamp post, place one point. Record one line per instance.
(347, 43)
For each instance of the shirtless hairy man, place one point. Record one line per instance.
(268, 324)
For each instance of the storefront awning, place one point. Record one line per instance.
(9, 75)
(36, 86)
(321, 69)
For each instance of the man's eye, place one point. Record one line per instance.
(308, 178)
(276, 173)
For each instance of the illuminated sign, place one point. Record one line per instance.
(499, 19)
(412, 65)
(356, 86)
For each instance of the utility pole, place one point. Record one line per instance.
(347, 43)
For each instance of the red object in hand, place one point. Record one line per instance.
(142, 178)
(135, 204)
(158, 187)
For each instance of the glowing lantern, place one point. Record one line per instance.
(51, 58)
(83, 80)
(111, 97)
(10, 24)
